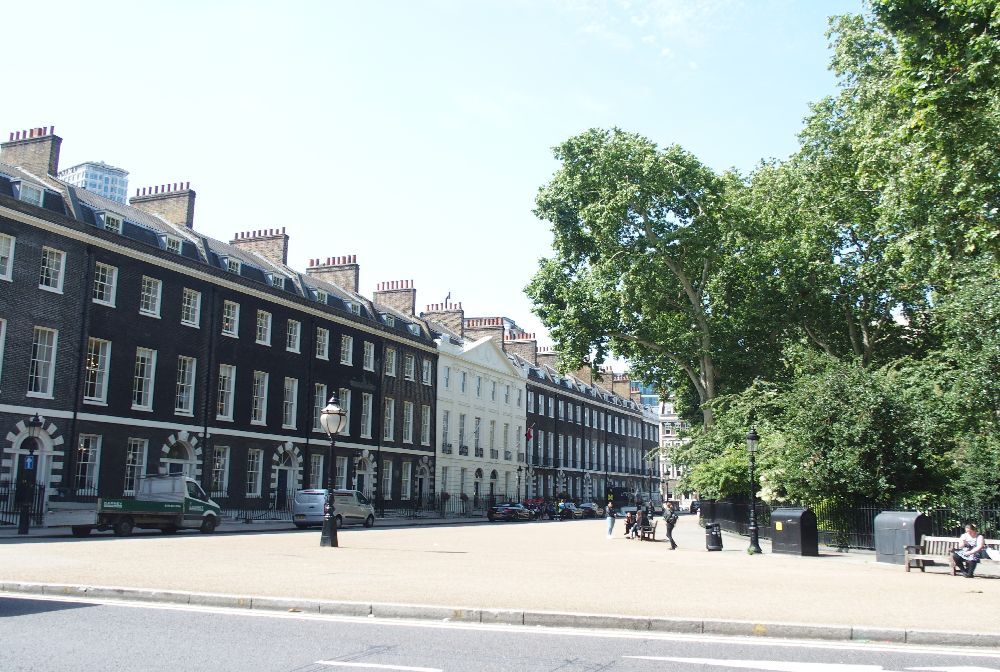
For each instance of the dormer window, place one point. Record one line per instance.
(31, 194)
(390, 320)
(112, 224)
(354, 307)
(321, 296)
(173, 245)
(414, 329)
(278, 282)
(234, 265)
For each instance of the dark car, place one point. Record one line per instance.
(695, 506)
(569, 510)
(591, 510)
(509, 511)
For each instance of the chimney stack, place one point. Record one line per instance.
(269, 243)
(341, 271)
(522, 344)
(546, 356)
(35, 150)
(477, 327)
(449, 313)
(172, 202)
(398, 294)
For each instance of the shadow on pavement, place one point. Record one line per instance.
(10, 606)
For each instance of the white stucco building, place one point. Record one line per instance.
(480, 420)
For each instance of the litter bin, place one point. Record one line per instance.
(713, 536)
(793, 531)
(894, 530)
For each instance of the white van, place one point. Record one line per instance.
(349, 506)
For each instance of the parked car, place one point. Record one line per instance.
(509, 511)
(569, 510)
(349, 506)
(695, 506)
(591, 510)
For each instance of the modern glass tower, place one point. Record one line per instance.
(98, 177)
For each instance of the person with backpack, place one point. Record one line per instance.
(670, 518)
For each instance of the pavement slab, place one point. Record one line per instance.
(518, 567)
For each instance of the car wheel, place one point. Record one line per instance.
(81, 531)
(301, 526)
(208, 525)
(123, 527)
(370, 521)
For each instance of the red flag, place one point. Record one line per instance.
(528, 434)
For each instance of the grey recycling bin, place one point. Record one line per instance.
(894, 530)
(713, 536)
(794, 531)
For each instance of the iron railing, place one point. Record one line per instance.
(14, 499)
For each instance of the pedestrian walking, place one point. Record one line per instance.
(609, 513)
(670, 518)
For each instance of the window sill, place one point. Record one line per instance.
(264, 343)
(95, 402)
(54, 290)
(220, 418)
(184, 414)
(259, 423)
(288, 427)
(155, 316)
(193, 325)
(226, 333)
(39, 395)
(325, 359)
(296, 351)
(144, 409)
(104, 303)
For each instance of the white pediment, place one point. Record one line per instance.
(487, 354)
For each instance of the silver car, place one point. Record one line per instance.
(349, 506)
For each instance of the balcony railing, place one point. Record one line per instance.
(494, 454)
(463, 450)
(479, 451)
(446, 448)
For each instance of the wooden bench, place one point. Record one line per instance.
(648, 532)
(939, 549)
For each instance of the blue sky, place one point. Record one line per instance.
(412, 134)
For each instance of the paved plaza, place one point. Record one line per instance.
(557, 566)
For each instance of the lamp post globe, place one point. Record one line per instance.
(753, 440)
(331, 419)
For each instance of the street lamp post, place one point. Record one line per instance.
(34, 426)
(332, 420)
(519, 470)
(752, 441)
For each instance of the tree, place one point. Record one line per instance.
(641, 235)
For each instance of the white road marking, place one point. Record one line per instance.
(767, 642)
(955, 668)
(373, 666)
(770, 665)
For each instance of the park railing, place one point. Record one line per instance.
(14, 500)
(275, 506)
(848, 526)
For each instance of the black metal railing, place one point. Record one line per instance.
(463, 450)
(849, 525)
(15, 499)
(274, 506)
(446, 448)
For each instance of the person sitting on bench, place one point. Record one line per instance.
(967, 557)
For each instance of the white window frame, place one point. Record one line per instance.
(293, 336)
(135, 464)
(57, 274)
(106, 277)
(7, 245)
(447, 377)
(290, 403)
(263, 333)
(319, 402)
(390, 362)
(463, 382)
(425, 368)
(225, 393)
(102, 360)
(410, 367)
(195, 306)
(113, 223)
(190, 384)
(407, 422)
(493, 390)
(425, 425)
(255, 471)
(231, 314)
(3, 339)
(91, 479)
(50, 364)
(341, 483)
(368, 358)
(258, 397)
(406, 475)
(345, 403)
(366, 415)
(234, 265)
(322, 343)
(149, 304)
(386, 485)
(347, 350)
(220, 485)
(317, 475)
(149, 385)
(388, 419)
(172, 245)
(26, 189)
(479, 387)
